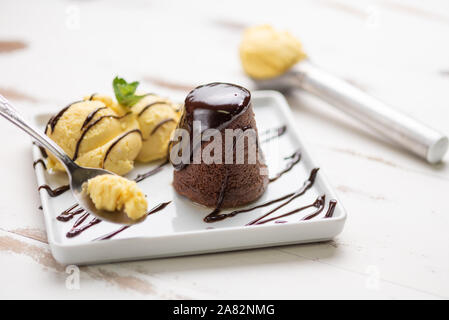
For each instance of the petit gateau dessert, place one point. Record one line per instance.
(220, 106)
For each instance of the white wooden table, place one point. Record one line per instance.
(396, 240)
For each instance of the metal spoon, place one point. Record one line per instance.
(392, 124)
(77, 175)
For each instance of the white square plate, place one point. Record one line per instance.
(179, 229)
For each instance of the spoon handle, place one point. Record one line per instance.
(10, 113)
(394, 125)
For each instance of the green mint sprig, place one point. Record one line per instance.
(126, 92)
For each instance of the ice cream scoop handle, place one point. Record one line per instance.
(10, 113)
(400, 128)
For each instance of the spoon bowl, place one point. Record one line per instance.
(78, 177)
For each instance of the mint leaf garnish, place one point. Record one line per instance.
(126, 92)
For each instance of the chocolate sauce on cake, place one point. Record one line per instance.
(221, 183)
(214, 105)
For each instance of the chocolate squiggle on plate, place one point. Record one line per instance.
(54, 192)
(157, 208)
(80, 225)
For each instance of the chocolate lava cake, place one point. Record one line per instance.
(222, 185)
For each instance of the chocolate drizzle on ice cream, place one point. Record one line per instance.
(54, 120)
(160, 124)
(148, 106)
(91, 115)
(81, 138)
(117, 141)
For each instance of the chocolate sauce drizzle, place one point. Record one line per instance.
(215, 106)
(160, 124)
(41, 149)
(117, 141)
(41, 161)
(91, 115)
(331, 209)
(143, 176)
(273, 133)
(289, 198)
(295, 158)
(220, 199)
(54, 120)
(78, 143)
(157, 208)
(69, 213)
(215, 216)
(318, 203)
(74, 210)
(78, 230)
(149, 106)
(54, 192)
(224, 183)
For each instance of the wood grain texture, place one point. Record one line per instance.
(395, 243)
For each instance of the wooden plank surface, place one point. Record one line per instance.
(396, 240)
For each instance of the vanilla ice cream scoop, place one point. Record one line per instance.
(94, 134)
(267, 53)
(115, 193)
(157, 118)
(275, 60)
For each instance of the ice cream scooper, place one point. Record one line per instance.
(275, 61)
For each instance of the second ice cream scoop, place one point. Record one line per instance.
(275, 60)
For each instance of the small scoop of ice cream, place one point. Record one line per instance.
(266, 53)
(115, 193)
(157, 118)
(96, 133)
